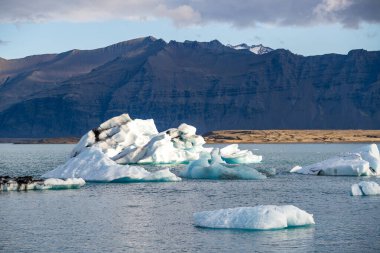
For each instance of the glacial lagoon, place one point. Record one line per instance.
(158, 217)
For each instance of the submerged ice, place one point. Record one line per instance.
(212, 166)
(364, 161)
(256, 218)
(116, 149)
(365, 188)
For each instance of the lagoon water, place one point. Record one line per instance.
(157, 217)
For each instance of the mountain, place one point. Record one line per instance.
(207, 84)
(257, 49)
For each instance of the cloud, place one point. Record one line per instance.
(242, 13)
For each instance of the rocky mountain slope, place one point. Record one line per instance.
(206, 84)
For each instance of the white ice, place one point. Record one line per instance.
(365, 188)
(364, 161)
(48, 184)
(256, 218)
(93, 165)
(233, 155)
(128, 141)
(212, 166)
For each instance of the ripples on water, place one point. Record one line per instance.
(157, 217)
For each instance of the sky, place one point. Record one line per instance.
(306, 27)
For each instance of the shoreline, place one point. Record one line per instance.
(249, 136)
(292, 136)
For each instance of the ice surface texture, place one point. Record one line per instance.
(365, 188)
(129, 141)
(258, 217)
(212, 166)
(93, 165)
(364, 161)
(48, 184)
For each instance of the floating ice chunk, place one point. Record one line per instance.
(351, 165)
(258, 217)
(212, 166)
(59, 184)
(363, 162)
(365, 188)
(93, 165)
(233, 155)
(27, 183)
(370, 153)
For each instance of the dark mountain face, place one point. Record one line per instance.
(205, 84)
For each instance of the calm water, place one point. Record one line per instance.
(157, 217)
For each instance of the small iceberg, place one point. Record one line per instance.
(233, 155)
(212, 166)
(365, 188)
(115, 151)
(93, 165)
(28, 183)
(255, 218)
(364, 161)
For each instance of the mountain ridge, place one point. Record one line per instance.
(207, 84)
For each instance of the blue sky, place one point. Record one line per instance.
(318, 27)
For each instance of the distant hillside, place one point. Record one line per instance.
(206, 84)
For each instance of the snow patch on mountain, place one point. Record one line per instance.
(256, 49)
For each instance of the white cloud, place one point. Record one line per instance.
(192, 12)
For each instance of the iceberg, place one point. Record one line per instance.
(212, 166)
(233, 155)
(113, 151)
(93, 165)
(28, 183)
(256, 218)
(364, 161)
(365, 188)
(128, 141)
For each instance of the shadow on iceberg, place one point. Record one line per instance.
(364, 161)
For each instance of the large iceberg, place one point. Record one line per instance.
(364, 161)
(128, 141)
(365, 188)
(93, 165)
(28, 183)
(113, 151)
(258, 217)
(212, 166)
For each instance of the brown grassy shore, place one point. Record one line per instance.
(248, 136)
(292, 136)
